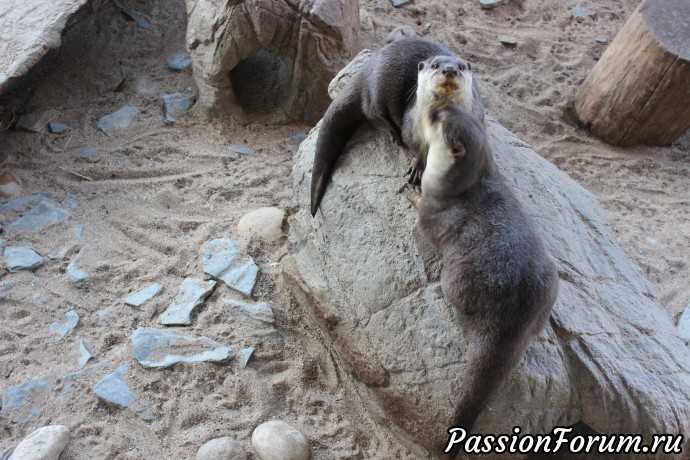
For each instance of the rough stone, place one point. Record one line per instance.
(277, 440)
(161, 348)
(241, 149)
(580, 13)
(177, 105)
(5, 289)
(19, 258)
(86, 354)
(221, 449)
(601, 40)
(57, 127)
(401, 3)
(218, 255)
(136, 17)
(20, 402)
(264, 224)
(247, 354)
(508, 41)
(36, 121)
(62, 329)
(255, 313)
(311, 42)
(21, 202)
(76, 274)
(113, 390)
(87, 153)
(140, 297)
(118, 121)
(192, 293)
(610, 356)
(489, 4)
(46, 443)
(180, 61)
(79, 230)
(40, 216)
(293, 142)
(243, 278)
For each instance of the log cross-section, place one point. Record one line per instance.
(639, 91)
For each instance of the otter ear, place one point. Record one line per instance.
(459, 152)
(420, 67)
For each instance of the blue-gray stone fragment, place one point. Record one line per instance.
(38, 299)
(15, 401)
(401, 3)
(118, 121)
(18, 258)
(243, 278)
(579, 13)
(70, 201)
(192, 293)
(5, 289)
(7, 453)
(489, 4)
(130, 13)
(57, 127)
(218, 255)
(85, 353)
(139, 298)
(177, 105)
(68, 381)
(88, 152)
(41, 215)
(241, 149)
(180, 61)
(35, 122)
(105, 316)
(161, 348)
(22, 201)
(76, 274)
(293, 142)
(254, 313)
(247, 354)
(62, 329)
(113, 390)
(79, 230)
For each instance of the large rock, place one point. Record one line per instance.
(290, 48)
(28, 30)
(609, 357)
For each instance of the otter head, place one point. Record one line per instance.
(445, 80)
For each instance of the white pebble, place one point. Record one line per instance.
(221, 449)
(277, 440)
(266, 224)
(46, 443)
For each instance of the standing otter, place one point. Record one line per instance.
(381, 92)
(496, 272)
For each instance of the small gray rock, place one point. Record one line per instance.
(293, 142)
(255, 313)
(70, 201)
(169, 348)
(16, 401)
(379, 6)
(87, 153)
(38, 299)
(18, 258)
(277, 440)
(489, 4)
(241, 149)
(57, 127)
(130, 13)
(221, 449)
(218, 255)
(508, 41)
(264, 224)
(401, 3)
(247, 354)
(118, 121)
(23, 201)
(427, 27)
(79, 230)
(242, 279)
(113, 390)
(180, 61)
(139, 298)
(62, 329)
(36, 121)
(105, 316)
(5, 289)
(76, 274)
(192, 293)
(46, 443)
(580, 13)
(40, 216)
(601, 40)
(177, 105)
(86, 354)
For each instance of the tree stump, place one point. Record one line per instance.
(639, 91)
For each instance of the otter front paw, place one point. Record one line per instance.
(413, 194)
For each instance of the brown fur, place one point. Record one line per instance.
(497, 272)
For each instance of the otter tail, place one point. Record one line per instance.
(341, 120)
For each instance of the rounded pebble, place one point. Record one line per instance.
(221, 449)
(266, 224)
(277, 440)
(46, 443)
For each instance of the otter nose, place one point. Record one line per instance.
(450, 71)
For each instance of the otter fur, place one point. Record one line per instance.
(496, 270)
(382, 92)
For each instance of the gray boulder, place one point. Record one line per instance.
(609, 357)
(290, 49)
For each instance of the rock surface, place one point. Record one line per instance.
(29, 29)
(46, 443)
(265, 224)
(140, 297)
(192, 293)
(277, 440)
(160, 348)
(312, 39)
(20, 402)
(609, 357)
(255, 313)
(62, 329)
(118, 121)
(221, 449)
(18, 258)
(113, 390)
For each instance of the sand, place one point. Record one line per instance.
(159, 192)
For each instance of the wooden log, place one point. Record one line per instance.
(639, 91)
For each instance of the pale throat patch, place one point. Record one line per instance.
(439, 159)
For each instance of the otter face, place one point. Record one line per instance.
(445, 79)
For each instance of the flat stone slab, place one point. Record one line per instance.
(76, 274)
(86, 354)
(40, 216)
(19, 403)
(29, 29)
(118, 121)
(113, 390)
(177, 105)
(192, 293)
(255, 313)
(180, 61)
(139, 298)
(220, 258)
(62, 329)
(20, 258)
(161, 348)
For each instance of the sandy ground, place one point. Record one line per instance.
(159, 192)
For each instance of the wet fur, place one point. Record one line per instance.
(496, 272)
(381, 93)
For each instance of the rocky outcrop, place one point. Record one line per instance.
(282, 53)
(609, 357)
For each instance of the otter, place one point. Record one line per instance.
(496, 270)
(382, 92)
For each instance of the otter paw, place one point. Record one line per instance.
(413, 194)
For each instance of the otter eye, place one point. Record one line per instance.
(461, 67)
(434, 66)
